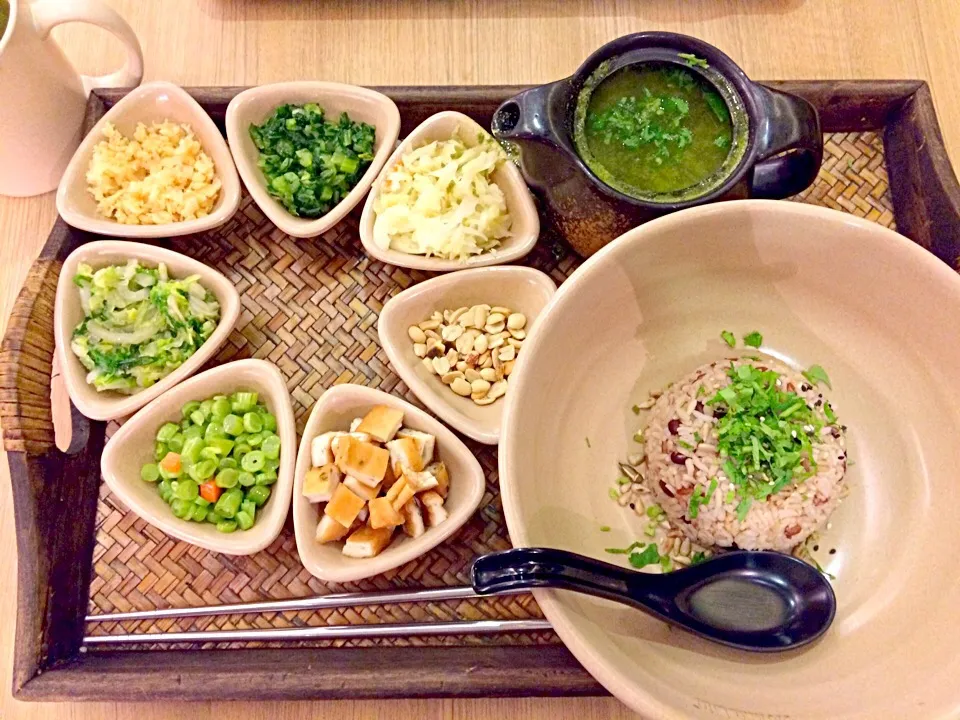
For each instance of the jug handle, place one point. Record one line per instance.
(526, 116)
(47, 14)
(790, 145)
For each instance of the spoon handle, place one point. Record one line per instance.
(525, 568)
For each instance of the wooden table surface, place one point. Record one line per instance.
(433, 42)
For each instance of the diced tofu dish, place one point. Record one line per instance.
(376, 480)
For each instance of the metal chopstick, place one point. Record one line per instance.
(322, 602)
(329, 632)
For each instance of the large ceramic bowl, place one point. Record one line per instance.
(878, 313)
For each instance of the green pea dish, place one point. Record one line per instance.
(218, 463)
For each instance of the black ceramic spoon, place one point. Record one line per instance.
(760, 601)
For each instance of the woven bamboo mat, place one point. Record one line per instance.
(311, 308)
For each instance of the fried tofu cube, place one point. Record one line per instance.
(367, 542)
(403, 497)
(413, 519)
(433, 506)
(420, 481)
(329, 530)
(364, 461)
(425, 443)
(389, 478)
(383, 514)
(381, 423)
(439, 471)
(320, 482)
(344, 506)
(335, 444)
(321, 448)
(400, 494)
(364, 491)
(404, 455)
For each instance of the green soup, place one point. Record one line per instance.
(655, 128)
(4, 15)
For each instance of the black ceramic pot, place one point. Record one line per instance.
(777, 146)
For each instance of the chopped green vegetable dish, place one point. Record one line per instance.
(217, 464)
(139, 324)
(309, 162)
(765, 435)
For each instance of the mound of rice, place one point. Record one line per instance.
(682, 462)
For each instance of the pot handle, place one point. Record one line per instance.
(789, 145)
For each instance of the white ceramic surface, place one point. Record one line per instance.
(521, 289)
(255, 105)
(131, 447)
(150, 103)
(334, 411)
(68, 313)
(878, 313)
(42, 96)
(526, 222)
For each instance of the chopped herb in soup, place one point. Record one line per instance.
(4, 16)
(655, 128)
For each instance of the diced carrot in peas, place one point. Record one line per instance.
(210, 492)
(171, 462)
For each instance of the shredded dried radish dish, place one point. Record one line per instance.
(440, 200)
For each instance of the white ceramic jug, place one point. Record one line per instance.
(42, 96)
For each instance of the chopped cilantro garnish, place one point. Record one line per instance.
(828, 411)
(701, 391)
(649, 120)
(638, 437)
(649, 556)
(697, 438)
(636, 409)
(587, 440)
(623, 480)
(753, 340)
(693, 61)
(698, 557)
(693, 509)
(710, 490)
(765, 436)
(653, 511)
(614, 494)
(685, 445)
(729, 338)
(604, 528)
(816, 374)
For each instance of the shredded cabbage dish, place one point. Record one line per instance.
(139, 324)
(441, 200)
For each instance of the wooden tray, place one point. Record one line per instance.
(311, 307)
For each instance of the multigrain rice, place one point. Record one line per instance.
(680, 448)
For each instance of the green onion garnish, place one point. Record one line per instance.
(729, 338)
(625, 551)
